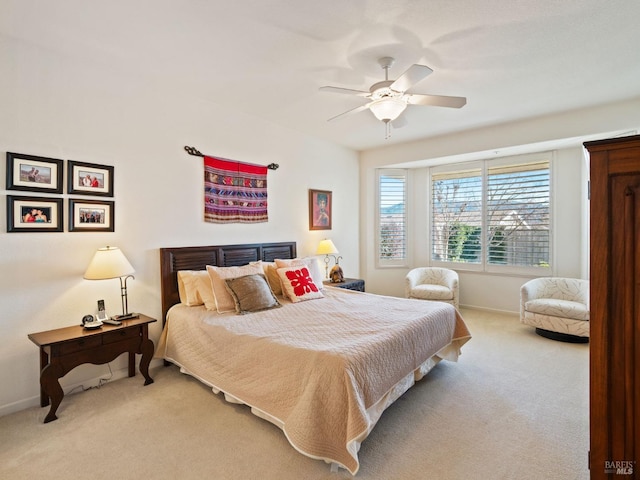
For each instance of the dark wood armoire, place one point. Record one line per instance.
(615, 308)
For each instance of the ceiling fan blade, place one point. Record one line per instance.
(349, 112)
(410, 77)
(436, 100)
(347, 91)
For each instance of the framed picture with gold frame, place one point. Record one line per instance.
(320, 204)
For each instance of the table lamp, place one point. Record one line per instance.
(110, 262)
(327, 248)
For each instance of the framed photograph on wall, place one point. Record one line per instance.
(91, 216)
(90, 179)
(34, 174)
(320, 204)
(34, 214)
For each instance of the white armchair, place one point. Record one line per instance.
(432, 283)
(557, 307)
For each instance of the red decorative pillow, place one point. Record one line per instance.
(310, 262)
(298, 285)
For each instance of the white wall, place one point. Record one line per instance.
(76, 109)
(481, 290)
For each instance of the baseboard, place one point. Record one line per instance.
(490, 310)
(19, 405)
(115, 374)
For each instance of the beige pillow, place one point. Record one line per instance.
(187, 288)
(311, 263)
(251, 293)
(194, 288)
(273, 279)
(297, 284)
(223, 300)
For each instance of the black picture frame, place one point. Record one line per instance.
(34, 214)
(89, 179)
(91, 215)
(31, 173)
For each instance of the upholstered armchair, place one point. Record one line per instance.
(432, 283)
(557, 307)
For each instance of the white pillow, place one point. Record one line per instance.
(297, 284)
(310, 262)
(194, 288)
(223, 300)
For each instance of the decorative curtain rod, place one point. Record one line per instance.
(196, 153)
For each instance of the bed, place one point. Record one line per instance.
(323, 369)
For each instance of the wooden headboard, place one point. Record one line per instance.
(174, 259)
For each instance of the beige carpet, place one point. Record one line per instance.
(514, 407)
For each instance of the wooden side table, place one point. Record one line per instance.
(356, 284)
(63, 349)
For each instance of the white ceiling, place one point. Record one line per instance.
(512, 59)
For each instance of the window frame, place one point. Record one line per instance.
(484, 165)
(454, 167)
(395, 263)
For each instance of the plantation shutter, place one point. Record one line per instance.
(392, 217)
(456, 216)
(518, 214)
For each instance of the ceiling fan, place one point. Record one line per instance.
(389, 98)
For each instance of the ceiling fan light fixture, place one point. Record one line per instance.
(387, 109)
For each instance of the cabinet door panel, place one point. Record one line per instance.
(615, 305)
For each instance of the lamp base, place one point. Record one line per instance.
(126, 316)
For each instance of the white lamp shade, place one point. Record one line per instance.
(108, 262)
(387, 109)
(326, 247)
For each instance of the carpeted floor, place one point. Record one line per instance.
(514, 407)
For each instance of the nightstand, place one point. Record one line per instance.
(63, 349)
(356, 284)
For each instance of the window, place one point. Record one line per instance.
(518, 215)
(456, 226)
(392, 217)
(493, 214)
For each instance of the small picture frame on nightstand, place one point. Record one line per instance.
(102, 312)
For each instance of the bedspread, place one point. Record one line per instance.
(318, 369)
